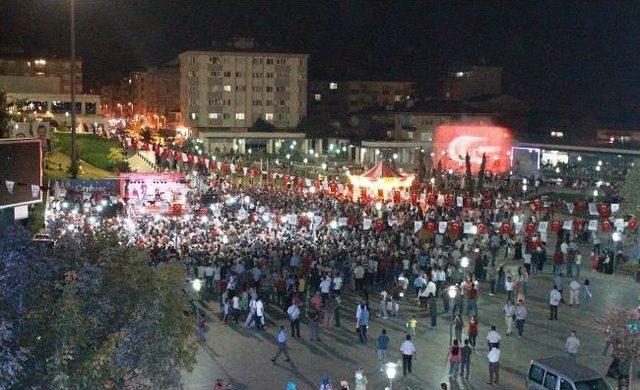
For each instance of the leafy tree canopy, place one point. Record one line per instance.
(90, 313)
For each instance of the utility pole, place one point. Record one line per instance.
(74, 146)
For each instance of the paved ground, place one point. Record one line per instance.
(243, 355)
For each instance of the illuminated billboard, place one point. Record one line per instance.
(20, 172)
(452, 142)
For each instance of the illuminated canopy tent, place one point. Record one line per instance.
(379, 181)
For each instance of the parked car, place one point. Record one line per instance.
(560, 373)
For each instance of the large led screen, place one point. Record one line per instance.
(453, 141)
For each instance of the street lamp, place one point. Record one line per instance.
(453, 292)
(196, 285)
(391, 369)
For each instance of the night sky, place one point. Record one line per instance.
(579, 59)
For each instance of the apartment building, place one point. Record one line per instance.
(230, 90)
(156, 91)
(44, 67)
(353, 96)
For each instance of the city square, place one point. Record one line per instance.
(235, 211)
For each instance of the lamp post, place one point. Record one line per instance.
(391, 370)
(74, 151)
(453, 292)
(196, 285)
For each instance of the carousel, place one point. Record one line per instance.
(380, 182)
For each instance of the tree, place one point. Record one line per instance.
(4, 115)
(99, 316)
(146, 134)
(619, 327)
(483, 165)
(629, 190)
(260, 125)
(468, 177)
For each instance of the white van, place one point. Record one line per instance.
(560, 373)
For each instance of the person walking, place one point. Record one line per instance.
(586, 290)
(294, 318)
(494, 366)
(465, 362)
(574, 292)
(509, 287)
(201, 328)
(433, 309)
(383, 304)
(361, 380)
(313, 316)
(455, 356)
(408, 351)
(363, 323)
(383, 349)
(559, 282)
(493, 337)
(554, 301)
(260, 317)
(472, 331)
(571, 345)
(509, 312)
(282, 346)
(458, 325)
(521, 316)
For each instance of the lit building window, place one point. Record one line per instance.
(227, 88)
(240, 116)
(318, 97)
(268, 116)
(557, 134)
(333, 85)
(460, 74)
(214, 115)
(194, 116)
(397, 98)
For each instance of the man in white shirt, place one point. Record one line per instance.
(325, 286)
(493, 337)
(337, 285)
(259, 314)
(208, 276)
(554, 301)
(494, 366)
(294, 317)
(408, 351)
(574, 293)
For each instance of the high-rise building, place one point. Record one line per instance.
(43, 67)
(230, 90)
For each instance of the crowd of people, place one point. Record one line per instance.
(263, 248)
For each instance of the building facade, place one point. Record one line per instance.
(44, 67)
(156, 91)
(354, 96)
(464, 83)
(56, 108)
(230, 90)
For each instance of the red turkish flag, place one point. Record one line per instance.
(531, 228)
(467, 202)
(482, 228)
(606, 226)
(537, 205)
(449, 200)
(505, 228)
(603, 209)
(431, 199)
(581, 206)
(487, 203)
(414, 198)
(379, 225)
(431, 227)
(577, 225)
(633, 224)
(396, 196)
(455, 228)
(555, 226)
